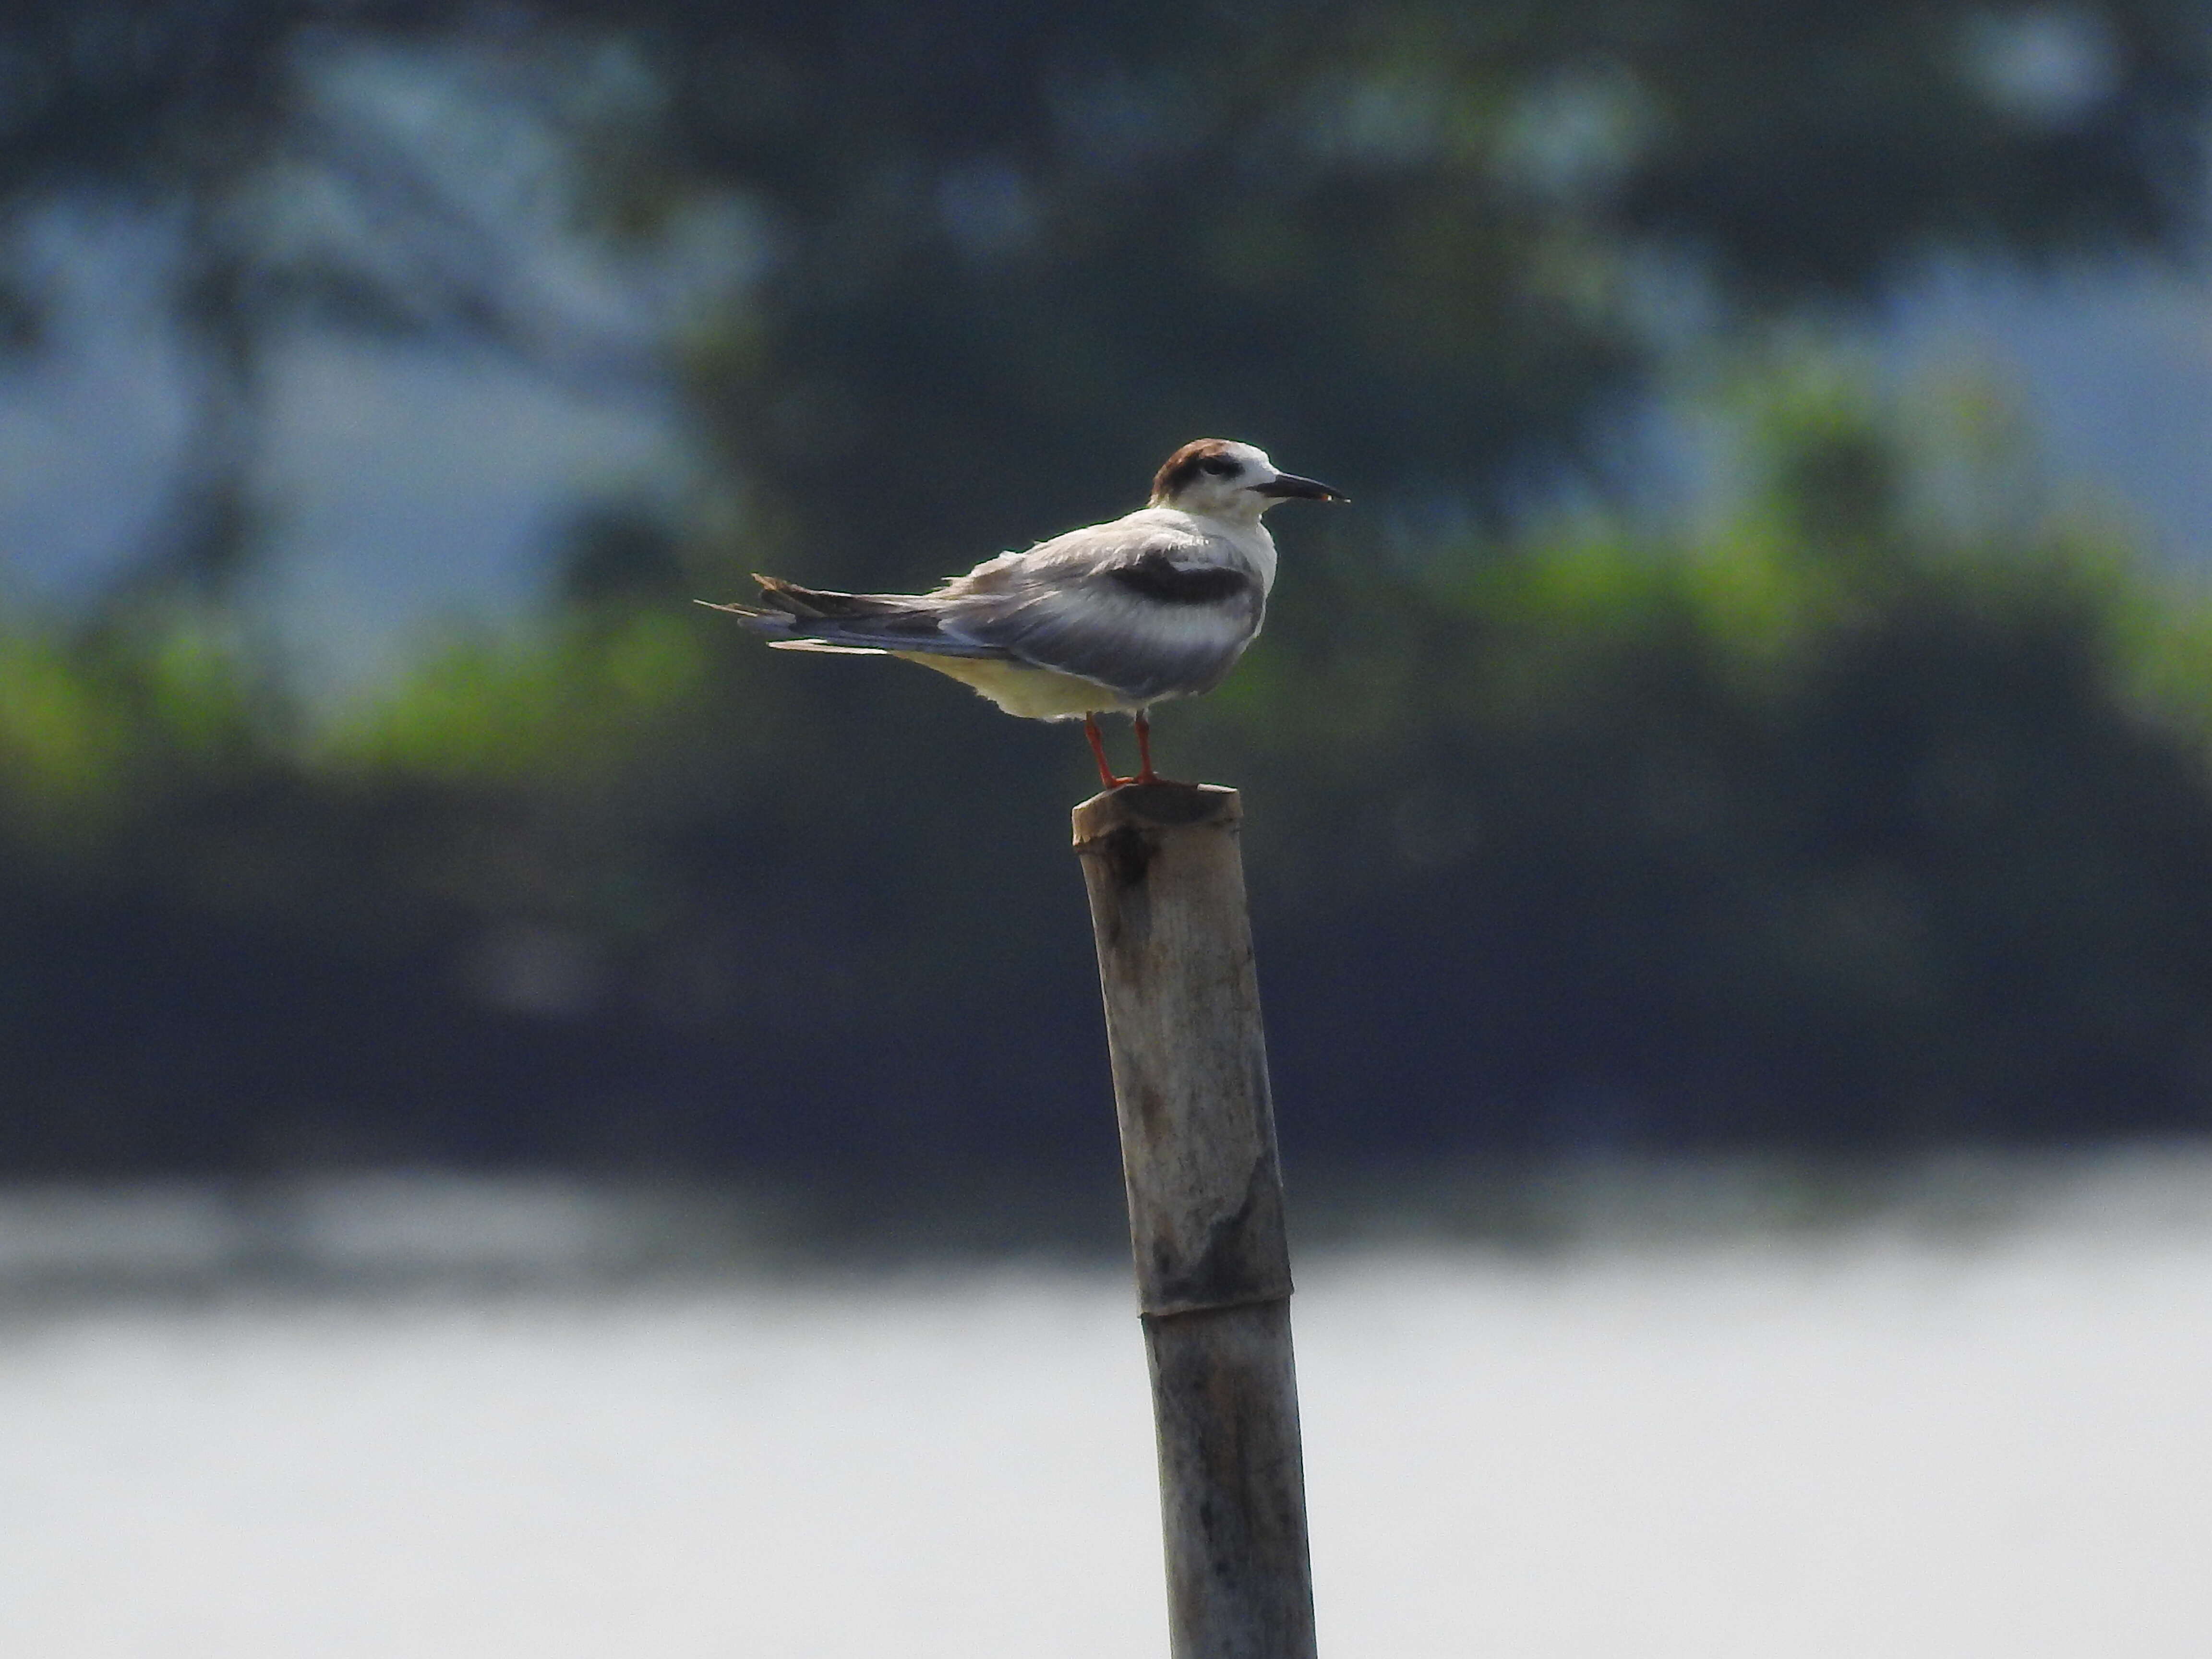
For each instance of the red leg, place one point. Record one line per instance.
(1098, 751)
(1145, 773)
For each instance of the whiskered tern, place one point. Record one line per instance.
(1110, 618)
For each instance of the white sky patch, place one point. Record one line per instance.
(423, 489)
(2049, 66)
(2113, 372)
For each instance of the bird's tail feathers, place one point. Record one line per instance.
(824, 603)
(847, 624)
(744, 611)
(780, 598)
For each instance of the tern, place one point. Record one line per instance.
(1110, 618)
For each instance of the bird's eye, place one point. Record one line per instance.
(1220, 465)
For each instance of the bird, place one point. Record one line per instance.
(1111, 618)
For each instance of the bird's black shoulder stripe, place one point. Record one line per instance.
(1156, 576)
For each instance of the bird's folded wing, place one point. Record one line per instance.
(1146, 619)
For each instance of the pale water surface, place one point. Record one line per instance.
(1890, 1438)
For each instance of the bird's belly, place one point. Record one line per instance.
(1035, 694)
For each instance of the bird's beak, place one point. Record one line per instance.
(1289, 483)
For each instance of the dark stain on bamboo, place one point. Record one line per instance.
(1240, 1259)
(1128, 854)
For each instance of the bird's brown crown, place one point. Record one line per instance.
(1182, 468)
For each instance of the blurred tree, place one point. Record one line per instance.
(1866, 841)
(1021, 250)
(1834, 828)
(1003, 255)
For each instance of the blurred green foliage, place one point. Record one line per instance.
(1822, 829)
(1843, 823)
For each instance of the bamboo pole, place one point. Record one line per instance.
(1206, 1214)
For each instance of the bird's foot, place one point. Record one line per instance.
(1107, 776)
(1145, 772)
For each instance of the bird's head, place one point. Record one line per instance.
(1216, 478)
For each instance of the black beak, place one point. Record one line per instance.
(1288, 483)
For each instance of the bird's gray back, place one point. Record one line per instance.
(1150, 605)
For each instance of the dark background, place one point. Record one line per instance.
(1836, 821)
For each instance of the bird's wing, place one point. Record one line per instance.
(1150, 614)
